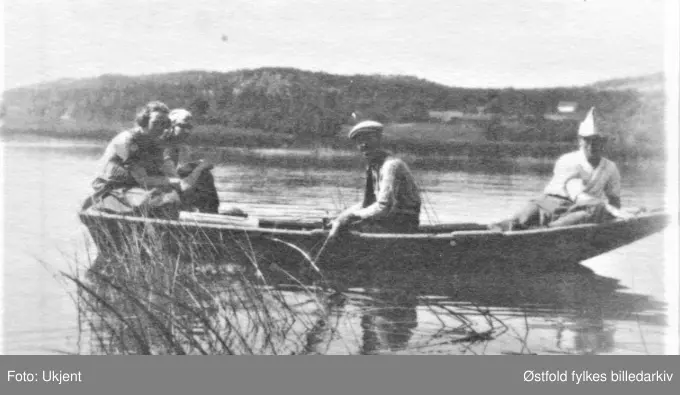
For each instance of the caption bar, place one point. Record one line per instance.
(585, 376)
(45, 376)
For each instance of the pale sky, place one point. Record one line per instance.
(472, 43)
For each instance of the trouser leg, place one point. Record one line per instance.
(582, 215)
(537, 212)
(526, 217)
(573, 218)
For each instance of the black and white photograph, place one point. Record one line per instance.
(318, 177)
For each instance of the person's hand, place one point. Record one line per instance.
(336, 227)
(619, 213)
(340, 224)
(584, 199)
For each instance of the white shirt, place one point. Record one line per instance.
(602, 182)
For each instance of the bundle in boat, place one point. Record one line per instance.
(253, 222)
(219, 219)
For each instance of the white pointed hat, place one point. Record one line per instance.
(588, 128)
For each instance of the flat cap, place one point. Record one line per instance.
(366, 127)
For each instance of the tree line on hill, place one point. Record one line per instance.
(316, 104)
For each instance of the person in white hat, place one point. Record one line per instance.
(176, 152)
(585, 187)
(391, 198)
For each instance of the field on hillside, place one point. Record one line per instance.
(468, 131)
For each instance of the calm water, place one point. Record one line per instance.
(617, 307)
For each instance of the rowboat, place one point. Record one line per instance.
(295, 246)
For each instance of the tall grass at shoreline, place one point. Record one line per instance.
(153, 294)
(145, 296)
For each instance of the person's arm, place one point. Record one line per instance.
(380, 207)
(169, 166)
(613, 188)
(189, 181)
(124, 147)
(575, 189)
(584, 198)
(147, 181)
(140, 175)
(184, 154)
(564, 170)
(349, 212)
(343, 219)
(175, 157)
(385, 199)
(169, 169)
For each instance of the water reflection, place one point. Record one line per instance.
(578, 306)
(589, 336)
(388, 322)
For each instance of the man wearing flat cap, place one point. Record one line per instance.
(585, 187)
(391, 198)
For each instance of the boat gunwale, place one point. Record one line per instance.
(448, 236)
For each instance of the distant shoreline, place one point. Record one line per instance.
(416, 143)
(422, 151)
(467, 157)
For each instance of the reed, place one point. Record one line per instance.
(147, 295)
(154, 292)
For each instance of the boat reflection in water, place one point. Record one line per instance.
(501, 312)
(389, 325)
(574, 312)
(589, 337)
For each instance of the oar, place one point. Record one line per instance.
(298, 249)
(338, 290)
(312, 261)
(323, 248)
(329, 237)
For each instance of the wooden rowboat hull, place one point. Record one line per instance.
(441, 247)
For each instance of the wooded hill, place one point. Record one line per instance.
(316, 105)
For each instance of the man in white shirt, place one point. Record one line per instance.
(585, 187)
